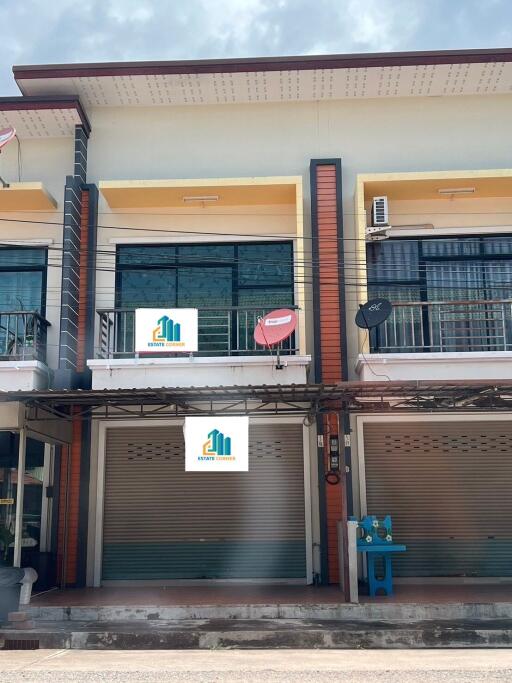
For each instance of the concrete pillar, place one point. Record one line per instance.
(18, 528)
(351, 591)
(352, 560)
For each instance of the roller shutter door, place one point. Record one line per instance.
(161, 522)
(447, 487)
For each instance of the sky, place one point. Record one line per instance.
(63, 31)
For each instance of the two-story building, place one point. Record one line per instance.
(237, 187)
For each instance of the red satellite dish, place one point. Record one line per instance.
(6, 135)
(275, 327)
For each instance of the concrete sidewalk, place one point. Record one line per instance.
(347, 666)
(205, 634)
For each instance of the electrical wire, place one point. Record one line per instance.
(258, 236)
(348, 265)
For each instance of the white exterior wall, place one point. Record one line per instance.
(47, 161)
(437, 366)
(191, 371)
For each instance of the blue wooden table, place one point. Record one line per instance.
(377, 542)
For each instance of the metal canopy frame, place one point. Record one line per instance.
(295, 399)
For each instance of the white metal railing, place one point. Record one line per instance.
(445, 326)
(23, 335)
(221, 332)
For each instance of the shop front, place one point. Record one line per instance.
(445, 480)
(157, 522)
(437, 461)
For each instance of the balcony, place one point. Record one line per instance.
(23, 336)
(228, 354)
(23, 350)
(441, 340)
(454, 326)
(222, 332)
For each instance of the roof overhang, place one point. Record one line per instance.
(319, 77)
(426, 185)
(43, 117)
(218, 192)
(306, 399)
(26, 197)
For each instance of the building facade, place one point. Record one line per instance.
(236, 188)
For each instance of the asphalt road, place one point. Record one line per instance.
(283, 666)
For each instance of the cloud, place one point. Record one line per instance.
(37, 32)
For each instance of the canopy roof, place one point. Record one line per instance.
(297, 399)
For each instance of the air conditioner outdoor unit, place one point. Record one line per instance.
(380, 213)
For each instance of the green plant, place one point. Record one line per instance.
(6, 538)
(21, 339)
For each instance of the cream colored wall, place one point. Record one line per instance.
(451, 213)
(412, 134)
(47, 161)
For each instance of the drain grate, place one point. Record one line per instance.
(21, 644)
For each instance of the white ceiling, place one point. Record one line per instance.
(280, 86)
(41, 123)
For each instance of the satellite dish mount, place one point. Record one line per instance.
(6, 135)
(274, 328)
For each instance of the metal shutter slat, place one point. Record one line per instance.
(163, 522)
(447, 487)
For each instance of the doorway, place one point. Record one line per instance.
(37, 539)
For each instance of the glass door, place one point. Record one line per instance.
(36, 531)
(8, 495)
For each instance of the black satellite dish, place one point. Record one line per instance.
(373, 313)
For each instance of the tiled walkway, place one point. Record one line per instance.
(240, 594)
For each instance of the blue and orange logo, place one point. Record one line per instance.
(166, 333)
(217, 447)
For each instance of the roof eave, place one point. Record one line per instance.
(252, 64)
(25, 103)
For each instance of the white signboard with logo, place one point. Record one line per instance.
(165, 330)
(216, 444)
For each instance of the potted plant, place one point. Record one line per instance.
(21, 341)
(6, 539)
(26, 347)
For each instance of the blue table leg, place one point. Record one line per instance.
(374, 583)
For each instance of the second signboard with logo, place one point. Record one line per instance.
(166, 330)
(217, 444)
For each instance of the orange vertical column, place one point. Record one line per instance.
(329, 315)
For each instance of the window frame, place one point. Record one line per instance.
(233, 263)
(423, 261)
(421, 282)
(36, 267)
